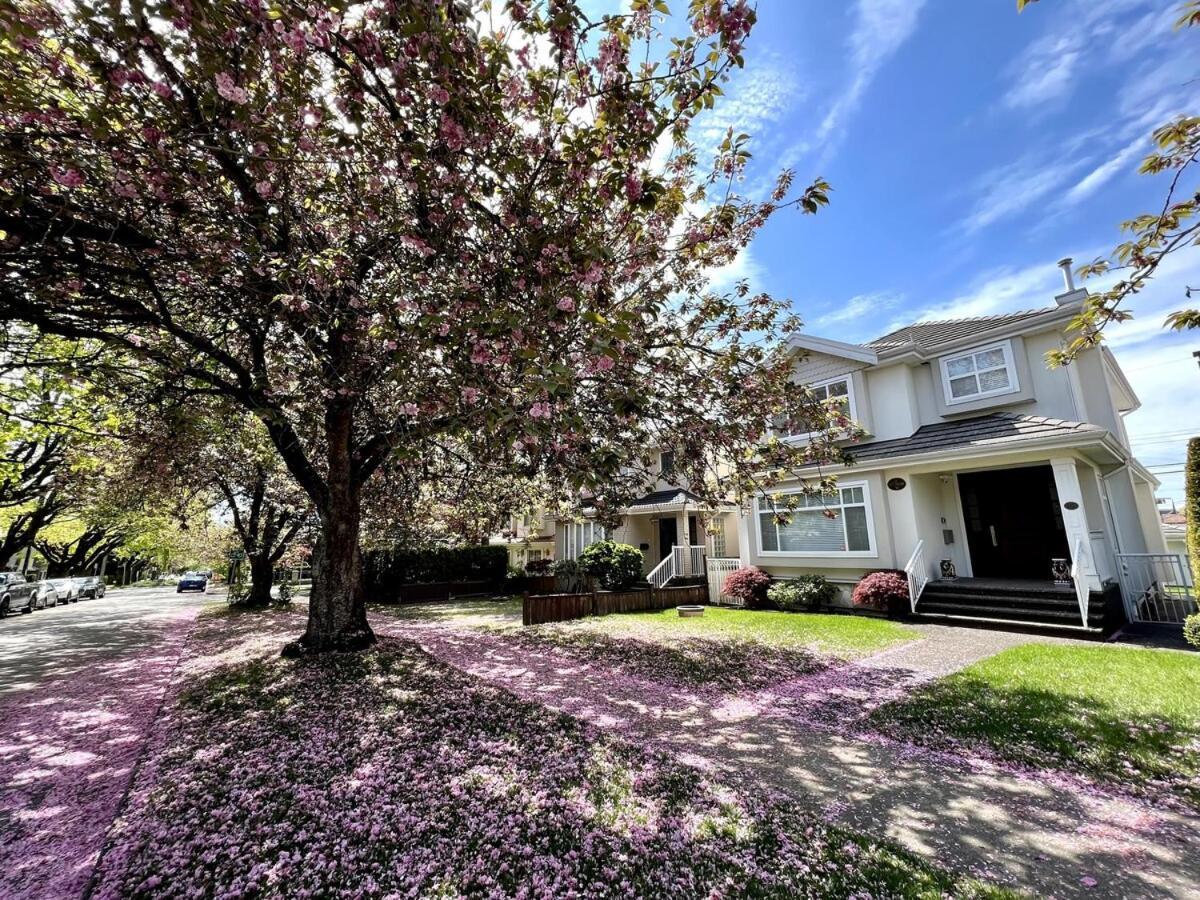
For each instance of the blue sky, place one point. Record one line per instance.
(969, 149)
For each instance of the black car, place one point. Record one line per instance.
(16, 594)
(192, 581)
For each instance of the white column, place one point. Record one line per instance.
(683, 538)
(1066, 481)
(902, 519)
(742, 523)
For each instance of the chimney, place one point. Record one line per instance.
(1071, 294)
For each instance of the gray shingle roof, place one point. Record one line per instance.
(997, 429)
(934, 334)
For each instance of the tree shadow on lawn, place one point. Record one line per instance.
(1042, 728)
(812, 737)
(388, 771)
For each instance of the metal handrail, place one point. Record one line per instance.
(917, 576)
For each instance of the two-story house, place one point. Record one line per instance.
(986, 475)
(675, 531)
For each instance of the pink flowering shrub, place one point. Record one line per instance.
(749, 585)
(879, 590)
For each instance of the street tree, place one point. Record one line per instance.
(382, 227)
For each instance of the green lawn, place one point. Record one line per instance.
(1115, 713)
(843, 636)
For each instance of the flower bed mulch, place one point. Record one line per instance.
(390, 774)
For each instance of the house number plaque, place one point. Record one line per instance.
(1071, 504)
(897, 484)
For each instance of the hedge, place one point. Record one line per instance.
(385, 570)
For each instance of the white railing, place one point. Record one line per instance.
(1157, 587)
(918, 574)
(1079, 574)
(718, 571)
(681, 562)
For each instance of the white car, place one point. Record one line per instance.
(66, 589)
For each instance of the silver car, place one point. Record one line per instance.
(89, 586)
(44, 595)
(66, 588)
(16, 594)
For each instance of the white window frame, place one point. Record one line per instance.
(848, 378)
(872, 553)
(1010, 365)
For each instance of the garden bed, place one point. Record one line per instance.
(388, 773)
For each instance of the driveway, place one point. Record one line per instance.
(80, 687)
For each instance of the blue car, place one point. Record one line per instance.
(192, 581)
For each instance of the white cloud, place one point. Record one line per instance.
(1104, 173)
(1044, 73)
(743, 267)
(756, 99)
(857, 318)
(881, 28)
(1013, 188)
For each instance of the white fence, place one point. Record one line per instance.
(682, 562)
(1157, 587)
(718, 571)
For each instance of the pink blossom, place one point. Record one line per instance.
(68, 178)
(604, 363)
(540, 410)
(453, 134)
(264, 189)
(229, 89)
(439, 95)
(470, 394)
(409, 409)
(418, 245)
(566, 304)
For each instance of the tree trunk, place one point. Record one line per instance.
(261, 573)
(337, 611)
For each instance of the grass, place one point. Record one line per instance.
(1121, 715)
(396, 774)
(475, 613)
(831, 635)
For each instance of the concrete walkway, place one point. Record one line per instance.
(1043, 832)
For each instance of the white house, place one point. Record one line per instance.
(986, 475)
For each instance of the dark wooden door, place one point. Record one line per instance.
(1014, 523)
(668, 536)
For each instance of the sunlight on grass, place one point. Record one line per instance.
(473, 613)
(1119, 714)
(844, 636)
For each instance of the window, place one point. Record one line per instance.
(980, 373)
(575, 537)
(827, 525)
(716, 535)
(839, 390)
(666, 463)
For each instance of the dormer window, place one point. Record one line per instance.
(981, 372)
(666, 463)
(840, 390)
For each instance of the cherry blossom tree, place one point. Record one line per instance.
(385, 228)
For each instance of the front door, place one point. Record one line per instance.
(1014, 523)
(668, 536)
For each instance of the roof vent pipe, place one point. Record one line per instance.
(1068, 278)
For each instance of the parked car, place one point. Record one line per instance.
(44, 595)
(16, 594)
(66, 588)
(90, 586)
(192, 581)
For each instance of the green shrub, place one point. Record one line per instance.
(803, 592)
(1191, 630)
(615, 566)
(570, 577)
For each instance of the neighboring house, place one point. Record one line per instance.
(1174, 529)
(979, 455)
(529, 537)
(669, 524)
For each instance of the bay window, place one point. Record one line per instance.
(837, 524)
